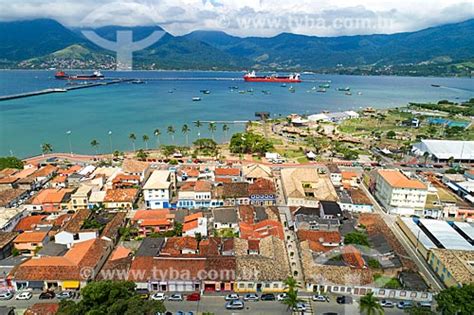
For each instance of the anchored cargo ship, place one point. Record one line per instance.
(61, 75)
(292, 78)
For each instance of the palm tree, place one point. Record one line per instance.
(198, 125)
(133, 138)
(46, 148)
(212, 129)
(225, 128)
(170, 130)
(369, 305)
(145, 139)
(185, 130)
(95, 144)
(291, 299)
(157, 134)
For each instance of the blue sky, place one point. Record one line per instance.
(249, 17)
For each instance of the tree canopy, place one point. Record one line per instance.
(456, 300)
(110, 298)
(357, 238)
(10, 162)
(249, 143)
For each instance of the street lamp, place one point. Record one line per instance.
(110, 140)
(68, 133)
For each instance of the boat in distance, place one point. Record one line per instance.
(292, 78)
(61, 75)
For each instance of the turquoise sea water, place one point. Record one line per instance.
(141, 108)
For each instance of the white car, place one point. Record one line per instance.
(159, 296)
(25, 295)
(300, 307)
(6, 295)
(231, 297)
(251, 297)
(175, 297)
(281, 296)
(320, 298)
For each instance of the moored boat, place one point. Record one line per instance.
(292, 78)
(61, 75)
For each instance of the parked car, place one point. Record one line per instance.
(143, 293)
(234, 305)
(404, 305)
(158, 296)
(64, 295)
(282, 296)
(251, 297)
(25, 295)
(6, 295)
(387, 304)
(175, 297)
(320, 298)
(232, 297)
(267, 297)
(426, 305)
(300, 307)
(344, 299)
(193, 297)
(47, 295)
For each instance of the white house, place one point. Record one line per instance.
(400, 194)
(158, 189)
(195, 224)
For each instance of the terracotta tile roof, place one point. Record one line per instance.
(8, 172)
(120, 252)
(349, 175)
(175, 245)
(397, 179)
(153, 215)
(261, 230)
(8, 195)
(223, 180)
(191, 225)
(323, 236)
(29, 223)
(25, 172)
(121, 195)
(85, 254)
(155, 222)
(134, 166)
(74, 225)
(261, 186)
(227, 172)
(246, 214)
(116, 269)
(50, 195)
(158, 268)
(31, 237)
(202, 186)
(193, 217)
(214, 246)
(235, 190)
(71, 170)
(111, 229)
(191, 172)
(254, 245)
(45, 171)
(60, 220)
(353, 257)
(6, 238)
(8, 180)
(59, 179)
(123, 177)
(42, 309)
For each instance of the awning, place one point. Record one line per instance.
(71, 284)
(452, 186)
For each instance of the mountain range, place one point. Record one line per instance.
(45, 43)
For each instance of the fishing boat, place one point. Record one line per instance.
(322, 90)
(348, 93)
(205, 92)
(325, 86)
(196, 99)
(435, 85)
(344, 89)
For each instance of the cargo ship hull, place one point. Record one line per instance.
(272, 79)
(63, 76)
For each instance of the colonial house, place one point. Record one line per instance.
(196, 194)
(73, 231)
(261, 230)
(235, 193)
(262, 192)
(159, 189)
(153, 221)
(225, 218)
(27, 243)
(227, 174)
(253, 172)
(125, 181)
(80, 198)
(120, 198)
(136, 168)
(50, 200)
(195, 224)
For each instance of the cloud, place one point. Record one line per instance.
(249, 17)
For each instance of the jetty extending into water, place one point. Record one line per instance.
(61, 90)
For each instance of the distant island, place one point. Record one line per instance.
(437, 51)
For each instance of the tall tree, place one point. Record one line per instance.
(157, 134)
(145, 139)
(291, 300)
(95, 144)
(198, 125)
(369, 305)
(225, 128)
(132, 137)
(46, 148)
(170, 130)
(185, 130)
(212, 129)
(456, 300)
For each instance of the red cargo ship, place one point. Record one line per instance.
(292, 78)
(61, 75)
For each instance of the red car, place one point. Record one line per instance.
(193, 297)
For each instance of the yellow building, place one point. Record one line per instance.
(453, 267)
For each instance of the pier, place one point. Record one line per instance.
(61, 90)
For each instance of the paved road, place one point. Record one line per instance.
(433, 282)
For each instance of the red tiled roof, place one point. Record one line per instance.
(153, 214)
(42, 309)
(191, 225)
(261, 186)
(254, 245)
(320, 236)
(246, 214)
(50, 195)
(29, 223)
(31, 237)
(223, 180)
(59, 179)
(45, 171)
(123, 177)
(174, 245)
(193, 217)
(348, 175)
(261, 230)
(227, 172)
(353, 257)
(121, 195)
(191, 172)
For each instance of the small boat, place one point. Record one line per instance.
(170, 91)
(291, 89)
(266, 92)
(435, 85)
(325, 86)
(233, 87)
(348, 93)
(242, 92)
(196, 99)
(345, 89)
(205, 92)
(250, 90)
(322, 90)
(138, 82)
(283, 85)
(359, 93)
